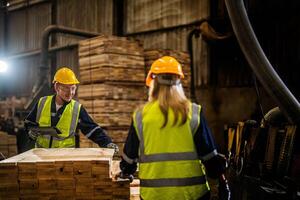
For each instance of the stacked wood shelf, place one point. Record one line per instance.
(112, 76)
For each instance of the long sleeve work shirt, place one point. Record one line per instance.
(85, 123)
(204, 143)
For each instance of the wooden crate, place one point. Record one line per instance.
(65, 173)
(8, 145)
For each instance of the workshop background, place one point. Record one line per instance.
(39, 36)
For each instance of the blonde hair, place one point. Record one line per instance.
(169, 96)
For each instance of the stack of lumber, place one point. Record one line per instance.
(134, 185)
(61, 174)
(110, 58)
(112, 76)
(182, 57)
(8, 145)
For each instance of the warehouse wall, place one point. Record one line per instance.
(153, 15)
(223, 78)
(1, 34)
(219, 73)
(28, 18)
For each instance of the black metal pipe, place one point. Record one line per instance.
(3, 10)
(25, 5)
(195, 32)
(45, 42)
(37, 52)
(45, 46)
(259, 62)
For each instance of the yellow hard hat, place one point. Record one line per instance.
(164, 65)
(65, 76)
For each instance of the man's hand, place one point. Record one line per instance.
(224, 190)
(113, 146)
(33, 134)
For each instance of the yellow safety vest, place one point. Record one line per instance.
(169, 167)
(66, 125)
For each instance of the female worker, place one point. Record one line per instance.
(171, 141)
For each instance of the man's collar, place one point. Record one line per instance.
(65, 103)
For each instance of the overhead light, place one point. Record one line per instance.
(3, 66)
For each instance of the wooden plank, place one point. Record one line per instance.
(111, 74)
(111, 60)
(65, 183)
(27, 171)
(45, 170)
(82, 169)
(112, 119)
(59, 174)
(63, 169)
(110, 44)
(47, 185)
(9, 186)
(111, 106)
(112, 91)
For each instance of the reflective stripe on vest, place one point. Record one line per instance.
(169, 167)
(194, 123)
(173, 182)
(67, 123)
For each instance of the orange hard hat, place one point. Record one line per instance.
(164, 65)
(65, 76)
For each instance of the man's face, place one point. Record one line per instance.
(66, 92)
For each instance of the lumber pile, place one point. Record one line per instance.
(112, 76)
(110, 58)
(8, 145)
(182, 57)
(61, 174)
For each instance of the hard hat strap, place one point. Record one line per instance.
(163, 81)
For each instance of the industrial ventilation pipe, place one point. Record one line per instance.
(259, 62)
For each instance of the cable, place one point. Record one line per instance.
(258, 96)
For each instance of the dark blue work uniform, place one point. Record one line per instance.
(85, 123)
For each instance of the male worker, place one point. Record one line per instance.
(170, 139)
(66, 115)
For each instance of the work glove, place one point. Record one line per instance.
(113, 146)
(124, 177)
(33, 134)
(224, 190)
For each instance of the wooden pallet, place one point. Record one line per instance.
(113, 90)
(61, 174)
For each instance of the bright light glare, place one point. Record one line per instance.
(3, 66)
